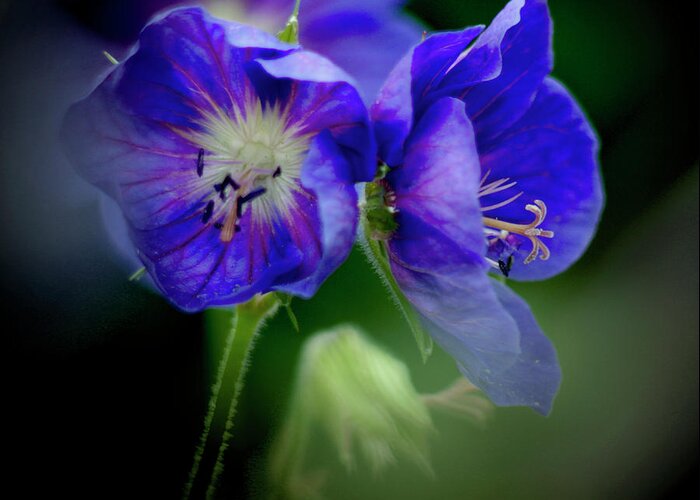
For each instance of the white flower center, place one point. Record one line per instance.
(251, 159)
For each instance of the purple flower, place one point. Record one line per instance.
(494, 169)
(232, 156)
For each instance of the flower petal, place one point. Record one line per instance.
(527, 57)
(412, 83)
(392, 112)
(552, 154)
(349, 32)
(533, 380)
(236, 34)
(439, 180)
(456, 302)
(196, 61)
(434, 60)
(328, 176)
(499, 74)
(185, 64)
(306, 66)
(436, 252)
(408, 83)
(324, 99)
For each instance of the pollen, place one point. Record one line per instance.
(502, 229)
(254, 155)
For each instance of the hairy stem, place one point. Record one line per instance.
(208, 465)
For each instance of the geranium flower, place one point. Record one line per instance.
(231, 155)
(493, 169)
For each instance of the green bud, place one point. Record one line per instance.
(363, 398)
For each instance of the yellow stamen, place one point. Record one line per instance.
(229, 228)
(256, 146)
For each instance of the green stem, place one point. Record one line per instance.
(245, 325)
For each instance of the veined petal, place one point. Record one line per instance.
(435, 59)
(499, 74)
(456, 303)
(323, 98)
(196, 60)
(436, 254)
(392, 112)
(409, 89)
(327, 175)
(533, 379)
(552, 154)
(184, 67)
(188, 261)
(439, 180)
(526, 57)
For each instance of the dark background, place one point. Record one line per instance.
(106, 383)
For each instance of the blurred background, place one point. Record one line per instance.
(106, 384)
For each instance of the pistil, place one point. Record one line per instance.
(530, 231)
(499, 229)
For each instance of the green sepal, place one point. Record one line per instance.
(376, 254)
(290, 33)
(379, 216)
(286, 302)
(138, 274)
(110, 57)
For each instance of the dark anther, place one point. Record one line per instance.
(200, 162)
(245, 199)
(505, 267)
(208, 211)
(252, 195)
(237, 228)
(277, 172)
(221, 188)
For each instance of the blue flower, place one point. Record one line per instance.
(347, 32)
(493, 169)
(232, 156)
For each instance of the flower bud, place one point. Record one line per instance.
(362, 397)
